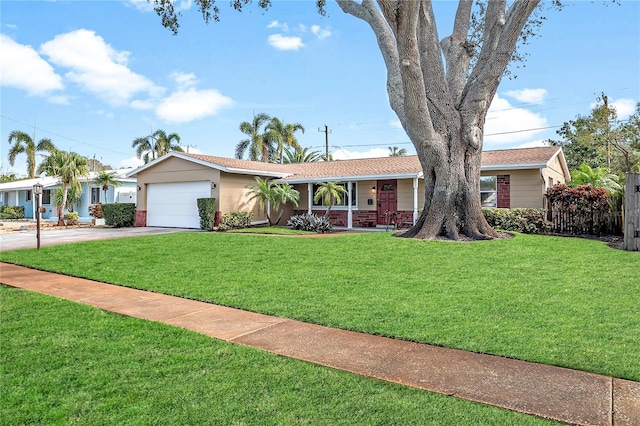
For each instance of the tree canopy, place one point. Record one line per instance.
(601, 140)
(440, 89)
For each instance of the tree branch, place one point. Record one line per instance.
(458, 51)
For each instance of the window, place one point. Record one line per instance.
(489, 191)
(354, 195)
(95, 195)
(46, 196)
(28, 195)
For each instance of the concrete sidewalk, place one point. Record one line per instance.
(560, 394)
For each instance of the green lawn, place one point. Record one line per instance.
(559, 301)
(68, 363)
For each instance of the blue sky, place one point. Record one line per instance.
(94, 75)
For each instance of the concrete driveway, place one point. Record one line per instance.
(17, 239)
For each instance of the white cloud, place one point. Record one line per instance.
(23, 68)
(506, 124)
(131, 162)
(321, 33)
(97, 67)
(190, 104)
(624, 107)
(530, 96)
(281, 42)
(343, 154)
(275, 24)
(184, 80)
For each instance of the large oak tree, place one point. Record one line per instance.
(440, 90)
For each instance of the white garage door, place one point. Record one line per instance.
(174, 205)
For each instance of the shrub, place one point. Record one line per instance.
(71, 218)
(584, 209)
(310, 222)
(207, 213)
(95, 210)
(528, 221)
(119, 215)
(235, 220)
(583, 198)
(11, 212)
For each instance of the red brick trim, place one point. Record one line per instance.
(504, 191)
(141, 218)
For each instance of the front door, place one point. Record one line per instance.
(387, 201)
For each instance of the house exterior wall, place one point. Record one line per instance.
(526, 187)
(175, 170)
(233, 195)
(553, 173)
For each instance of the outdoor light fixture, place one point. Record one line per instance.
(37, 191)
(213, 185)
(139, 188)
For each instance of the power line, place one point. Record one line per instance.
(61, 136)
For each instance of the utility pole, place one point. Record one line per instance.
(326, 132)
(191, 146)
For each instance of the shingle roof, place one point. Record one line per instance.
(391, 167)
(540, 155)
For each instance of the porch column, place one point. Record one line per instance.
(18, 198)
(415, 199)
(349, 214)
(309, 197)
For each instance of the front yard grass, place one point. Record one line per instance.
(559, 301)
(68, 363)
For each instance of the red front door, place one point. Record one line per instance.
(387, 195)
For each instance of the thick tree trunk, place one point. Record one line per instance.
(452, 206)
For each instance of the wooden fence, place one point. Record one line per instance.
(576, 222)
(632, 212)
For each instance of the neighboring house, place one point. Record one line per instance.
(169, 186)
(19, 193)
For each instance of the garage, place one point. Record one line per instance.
(174, 205)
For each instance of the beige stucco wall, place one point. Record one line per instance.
(554, 173)
(233, 195)
(175, 170)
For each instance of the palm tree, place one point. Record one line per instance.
(272, 195)
(255, 143)
(148, 148)
(599, 177)
(165, 143)
(397, 152)
(330, 193)
(106, 179)
(69, 167)
(144, 148)
(23, 143)
(278, 135)
(301, 156)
